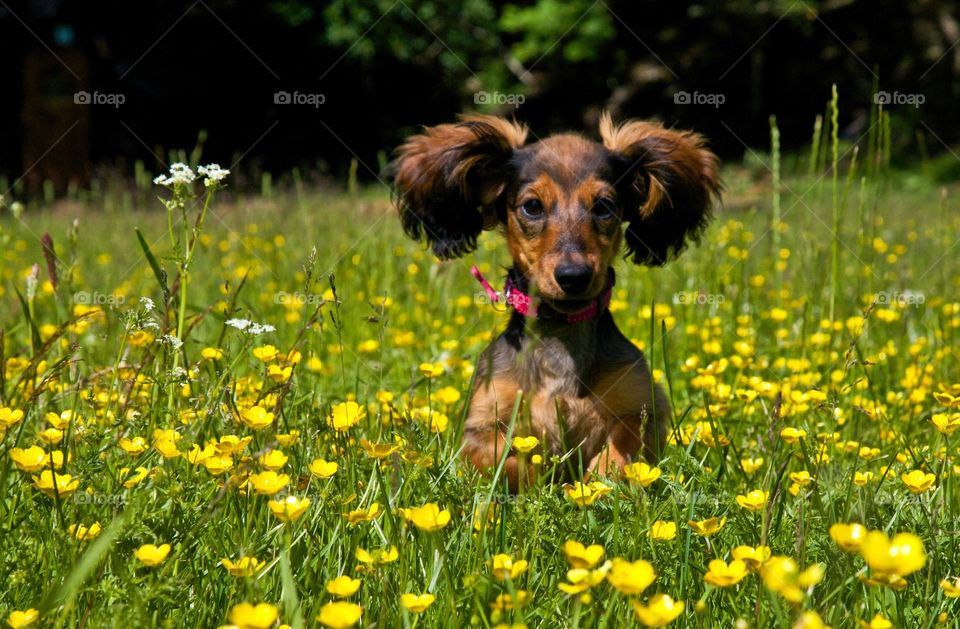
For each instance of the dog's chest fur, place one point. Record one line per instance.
(578, 381)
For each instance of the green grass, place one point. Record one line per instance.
(747, 352)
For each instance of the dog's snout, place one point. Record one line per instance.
(573, 278)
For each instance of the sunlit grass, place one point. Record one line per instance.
(282, 426)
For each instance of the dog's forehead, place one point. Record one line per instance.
(568, 159)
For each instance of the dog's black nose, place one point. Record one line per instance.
(573, 279)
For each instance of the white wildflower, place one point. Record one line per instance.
(172, 341)
(179, 173)
(147, 304)
(250, 327)
(213, 174)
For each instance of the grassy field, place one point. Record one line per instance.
(295, 460)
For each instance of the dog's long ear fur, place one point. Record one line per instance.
(672, 184)
(449, 181)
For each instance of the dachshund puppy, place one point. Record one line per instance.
(567, 205)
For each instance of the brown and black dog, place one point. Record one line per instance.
(567, 205)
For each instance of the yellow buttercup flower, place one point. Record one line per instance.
(428, 517)
(918, 481)
(211, 353)
(946, 423)
(378, 450)
(753, 557)
(417, 603)
(951, 587)
(810, 620)
(503, 567)
(243, 567)
(83, 533)
(288, 509)
(580, 556)
(721, 574)
(323, 469)
(9, 417)
(259, 616)
(152, 556)
(50, 436)
(582, 579)
(266, 353)
(783, 576)
(217, 465)
(134, 447)
(256, 417)
(861, 479)
(802, 478)
(707, 527)
(849, 537)
(663, 531)
(32, 459)
(431, 370)
(376, 557)
(273, 460)
(345, 415)
(509, 601)
(585, 494)
(447, 396)
(268, 483)
(22, 618)
(792, 435)
(343, 586)
(641, 473)
(659, 611)
(65, 484)
(753, 501)
(339, 615)
(525, 444)
(363, 515)
(879, 621)
(132, 480)
(901, 555)
(751, 465)
(631, 577)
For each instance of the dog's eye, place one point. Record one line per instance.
(532, 208)
(604, 208)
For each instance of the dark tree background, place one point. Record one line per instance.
(384, 67)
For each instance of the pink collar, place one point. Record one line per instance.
(524, 303)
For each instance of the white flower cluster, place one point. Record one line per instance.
(213, 174)
(179, 173)
(245, 325)
(172, 341)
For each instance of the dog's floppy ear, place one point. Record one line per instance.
(450, 179)
(672, 184)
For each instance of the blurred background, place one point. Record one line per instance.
(330, 87)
